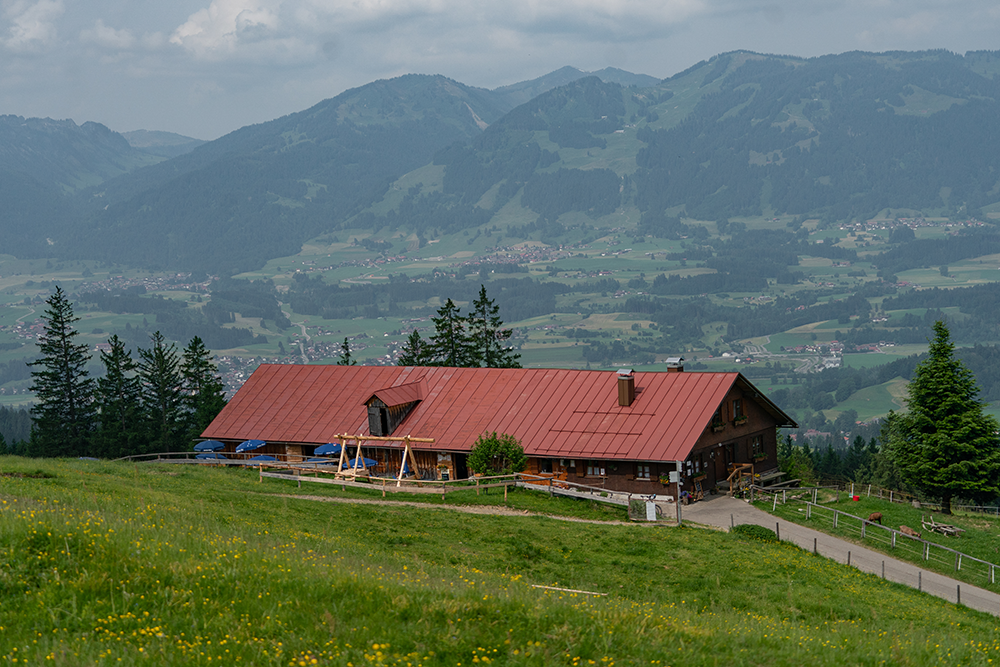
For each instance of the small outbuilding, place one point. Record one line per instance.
(620, 430)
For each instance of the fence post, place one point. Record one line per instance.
(443, 490)
(890, 496)
(869, 490)
(920, 581)
(809, 508)
(784, 497)
(777, 530)
(927, 550)
(774, 503)
(550, 487)
(835, 514)
(958, 593)
(505, 491)
(863, 522)
(814, 546)
(477, 486)
(993, 574)
(815, 491)
(852, 489)
(883, 569)
(958, 562)
(732, 521)
(893, 539)
(848, 557)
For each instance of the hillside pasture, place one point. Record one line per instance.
(131, 564)
(978, 540)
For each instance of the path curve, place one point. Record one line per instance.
(723, 511)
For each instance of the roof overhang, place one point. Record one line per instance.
(781, 419)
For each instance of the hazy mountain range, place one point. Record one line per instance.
(741, 135)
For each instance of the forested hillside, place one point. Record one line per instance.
(744, 135)
(840, 137)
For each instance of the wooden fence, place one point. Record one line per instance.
(914, 546)
(290, 467)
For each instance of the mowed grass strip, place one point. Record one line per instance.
(979, 539)
(155, 564)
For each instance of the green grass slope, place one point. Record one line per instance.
(154, 564)
(978, 539)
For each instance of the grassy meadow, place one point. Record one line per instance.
(110, 563)
(979, 539)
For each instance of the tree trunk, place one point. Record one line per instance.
(946, 505)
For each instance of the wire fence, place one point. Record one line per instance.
(292, 467)
(875, 491)
(906, 546)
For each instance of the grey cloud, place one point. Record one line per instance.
(204, 67)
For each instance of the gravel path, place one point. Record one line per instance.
(495, 510)
(722, 511)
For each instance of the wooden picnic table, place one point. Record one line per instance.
(942, 528)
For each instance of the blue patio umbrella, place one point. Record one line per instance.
(210, 455)
(328, 449)
(249, 446)
(369, 463)
(263, 457)
(209, 446)
(322, 462)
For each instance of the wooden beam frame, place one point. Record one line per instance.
(344, 439)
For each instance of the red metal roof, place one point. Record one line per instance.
(553, 412)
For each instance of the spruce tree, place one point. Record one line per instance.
(63, 417)
(944, 445)
(162, 397)
(487, 335)
(450, 344)
(119, 404)
(204, 392)
(415, 352)
(345, 358)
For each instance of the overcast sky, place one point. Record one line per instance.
(205, 67)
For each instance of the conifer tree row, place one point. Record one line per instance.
(472, 341)
(160, 403)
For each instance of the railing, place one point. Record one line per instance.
(908, 544)
(291, 466)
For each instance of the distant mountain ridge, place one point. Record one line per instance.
(164, 144)
(266, 188)
(65, 155)
(742, 134)
(518, 93)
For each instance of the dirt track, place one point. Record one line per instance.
(494, 510)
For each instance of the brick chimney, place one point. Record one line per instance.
(626, 387)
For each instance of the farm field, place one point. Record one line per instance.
(128, 564)
(978, 540)
(597, 251)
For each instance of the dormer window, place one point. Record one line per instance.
(388, 407)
